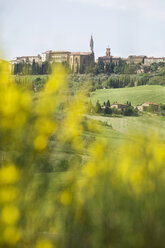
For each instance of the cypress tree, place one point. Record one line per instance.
(108, 103)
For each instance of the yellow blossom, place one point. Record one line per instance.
(8, 194)
(11, 235)
(40, 142)
(65, 197)
(90, 170)
(44, 243)
(9, 174)
(10, 214)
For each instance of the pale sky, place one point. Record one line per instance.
(30, 27)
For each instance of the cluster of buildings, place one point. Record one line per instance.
(146, 105)
(79, 61)
(131, 59)
(142, 59)
(143, 107)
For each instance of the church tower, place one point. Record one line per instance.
(108, 52)
(92, 44)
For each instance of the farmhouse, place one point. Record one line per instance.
(119, 106)
(145, 106)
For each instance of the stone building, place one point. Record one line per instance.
(56, 56)
(116, 60)
(77, 61)
(107, 58)
(27, 59)
(119, 106)
(145, 106)
(149, 61)
(133, 59)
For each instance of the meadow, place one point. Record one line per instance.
(124, 125)
(135, 95)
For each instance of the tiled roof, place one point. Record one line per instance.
(150, 103)
(60, 52)
(140, 56)
(56, 52)
(28, 57)
(105, 57)
(81, 53)
(123, 104)
(155, 58)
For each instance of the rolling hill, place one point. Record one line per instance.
(135, 95)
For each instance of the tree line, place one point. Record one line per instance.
(106, 109)
(35, 68)
(120, 67)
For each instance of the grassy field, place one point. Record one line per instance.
(30, 77)
(121, 130)
(135, 95)
(123, 125)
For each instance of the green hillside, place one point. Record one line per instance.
(135, 95)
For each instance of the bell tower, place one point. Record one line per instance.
(108, 52)
(92, 44)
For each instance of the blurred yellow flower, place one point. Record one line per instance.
(44, 243)
(10, 214)
(45, 126)
(40, 142)
(90, 170)
(11, 235)
(9, 174)
(65, 197)
(8, 194)
(25, 100)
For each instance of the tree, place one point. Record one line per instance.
(108, 68)
(15, 72)
(90, 107)
(46, 67)
(129, 111)
(34, 67)
(112, 66)
(26, 69)
(154, 67)
(100, 67)
(108, 103)
(98, 107)
(107, 111)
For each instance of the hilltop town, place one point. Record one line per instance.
(80, 62)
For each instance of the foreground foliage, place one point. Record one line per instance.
(108, 201)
